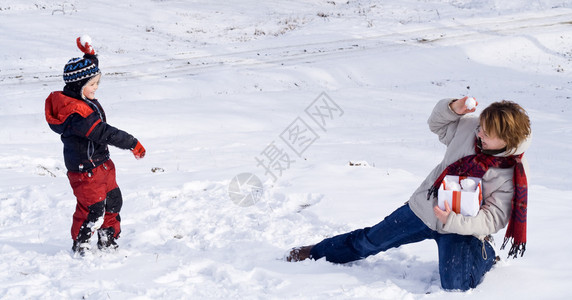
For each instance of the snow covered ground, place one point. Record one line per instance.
(209, 87)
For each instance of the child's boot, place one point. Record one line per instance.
(106, 239)
(81, 244)
(80, 248)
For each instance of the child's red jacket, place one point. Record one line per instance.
(84, 131)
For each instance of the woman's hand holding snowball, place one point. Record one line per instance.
(464, 105)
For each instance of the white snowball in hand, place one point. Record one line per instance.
(470, 103)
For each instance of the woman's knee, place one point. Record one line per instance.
(463, 261)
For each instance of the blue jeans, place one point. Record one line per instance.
(463, 259)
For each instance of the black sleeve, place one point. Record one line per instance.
(100, 132)
(104, 133)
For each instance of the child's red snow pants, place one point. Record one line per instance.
(98, 200)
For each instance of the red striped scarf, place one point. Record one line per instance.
(476, 166)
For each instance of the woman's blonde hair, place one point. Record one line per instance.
(507, 121)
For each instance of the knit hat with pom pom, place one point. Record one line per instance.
(79, 69)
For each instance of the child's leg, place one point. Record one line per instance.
(399, 228)
(463, 261)
(113, 202)
(90, 191)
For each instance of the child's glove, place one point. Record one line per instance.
(138, 151)
(84, 44)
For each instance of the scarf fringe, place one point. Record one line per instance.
(515, 249)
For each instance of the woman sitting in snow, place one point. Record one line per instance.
(491, 148)
(79, 118)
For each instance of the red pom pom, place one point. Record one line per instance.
(84, 44)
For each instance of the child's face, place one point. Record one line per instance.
(90, 87)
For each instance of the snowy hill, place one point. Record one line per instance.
(208, 86)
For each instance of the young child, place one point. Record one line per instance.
(79, 119)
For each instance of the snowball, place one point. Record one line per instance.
(468, 184)
(85, 39)
(452, 186)
(470, 103)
